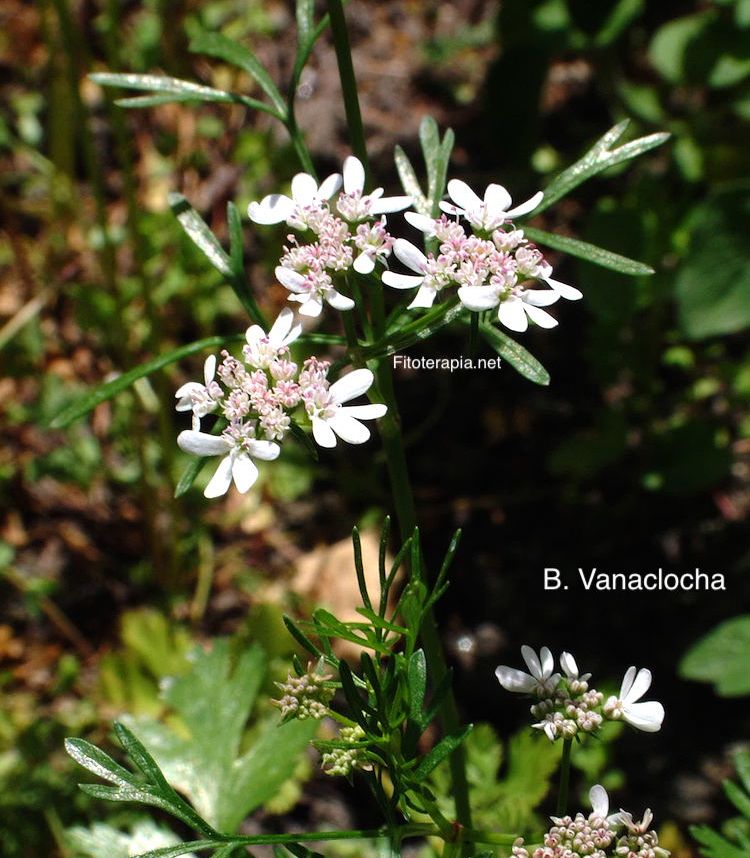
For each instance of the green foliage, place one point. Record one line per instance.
(507, 782)
(200, 747)
(102, 839)
(722, 657)
(734, 839)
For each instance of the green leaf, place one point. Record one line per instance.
(201, 755)
(172, 89)
(89, 401)
(409, 181)
(437, 154)
(237, 265)
(517, 356)
(444, 748)
(714, 845)
(739, 798)
(600, 157)
(305, 15)
(200, 234)
(216, 45)
(712, 287)
(722, 657)
(417, 679)
(589, 252)
(99, 763)
(182, 849)
(668, 50)
(101, 839)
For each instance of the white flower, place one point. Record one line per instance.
(311, 290)
(413, 258)
(331, 418)
(514, 310)
(570, 667)
(276, 208)
(354, 205)
(648, 715)
(491, 212)
(201, 399)
(237, 446)
(263, 348)
(540, 681)
(600, 807)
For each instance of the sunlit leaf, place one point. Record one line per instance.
(589, 252)
(515, 354)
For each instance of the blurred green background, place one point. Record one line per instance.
(637, 456)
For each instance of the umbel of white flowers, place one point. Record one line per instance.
(566, 705)
(257, 397)
(344, 229)
(598, 835)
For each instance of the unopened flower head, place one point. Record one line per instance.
(349, 756)
(566, 706)
(306, 696)
(257, 397)
(598, 835)
(343, 229)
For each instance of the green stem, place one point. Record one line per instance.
(403, 831)
(348, 82)
(562, 795)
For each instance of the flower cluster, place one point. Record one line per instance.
(566, 704)
(258, 395)
(343, 760)
(305, 696)
(493, 266)
(597, 835)
(343, 229)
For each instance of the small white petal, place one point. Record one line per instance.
(244, 472)
(387, 205)
(421, 222)
(209, 369)
(351, 385)
(540, 297)
(512, 315)
(568, 292)
(540, 317)
(627, 682)
(366, 412)
(532, 661)
(364, 264)
(281, 327)
(526, 207)
(304, 189)
(349, 429)
(221, 480)
(450, 209)
(462, 195)
(569, 665)
(599, 800)
(424, 298)
(478, 298)
(202, 444)
(401, 281)
(272, 209)
(254, 334)
(322, 432)
(410, 255)
(497, 199)
(329, 186)
(338, 301)
(647, 716)
(515, 680)
(354, 175)
(292, 280)
(311, 307)
(548, 662)
(640, 686)
(267, 451)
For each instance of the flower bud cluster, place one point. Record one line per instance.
(257, 397)
(567, 706)
(597, 835)
(342, 761)
(306, 696)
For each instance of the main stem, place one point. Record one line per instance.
(562, 794)
(390, 427)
